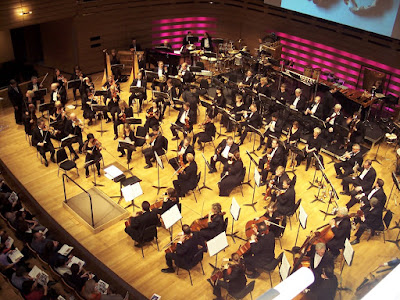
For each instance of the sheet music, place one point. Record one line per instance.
(235, 209)
(302, 217)
(43, 278)
(348, 252)
(65, 250)
(285, 267)
(76, 260)
(15, 255)
(102, 286)
(9, 242)
(159, 161)
(217, 244)
(131, 192)
(112, 172)
(257, 177)
(171, 216)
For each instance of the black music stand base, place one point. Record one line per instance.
(101, 126)
(158, 187)
(252, 204)
(133, 205)
(397, 241)
(94, 177)
(233, 234)
(376, 155)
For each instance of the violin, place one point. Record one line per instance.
(224, 271)
(97, 144)
(201, 223)
(150, 113)
(251, 226)
(172, 247)
(187, 124)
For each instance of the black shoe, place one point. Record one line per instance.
(262, 183)
(253, 275)
(75, 157)
(87, 175)
(264, 151)
(122, 155)
(259, 148)
(108, 120)
(344, 193)
(175, 138)
(90, 122)
(115, 137)
(298, 164)
(212, 171)
(168, 270)
(80, 151)
(98, 174)
(339, 176)
(148, 166)
(128, 161)
(52, 159)
(307, 168)
(46, 163)
(355, 242)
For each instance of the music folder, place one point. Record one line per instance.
(133, 120)
(74, 84)
(126, 145)
(162, 95)
(99, 107)
(46, 106)
(40, 93)
(137, 89)
(100, 93)
(68, 140)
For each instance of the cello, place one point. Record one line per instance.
(202, 223)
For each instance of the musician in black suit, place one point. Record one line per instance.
(162, 73)
(234, 277)
(153, 116)
(293, 136)
(262, 87)
(157, 145)
(215, 224)
(316, 108)
(320, 260)
(282, 95)
(269, 162)
(191, 96)
(129, 136)
(341, 228)
(247, 82)
(231, 175)
(272, 129)
(206, 42)
(170, 199)
(253, 119)
(187, 247)
(223, 152)
(362, 182)
(277, 182)
(17, 100)
(314, 144)
(186, 39)
(140, 222)
(299, 102)
(262, 252)
(138, 82)
(187, 177)
(76, 75)
(206, 135)
(285, 200)
(236, 113)
(185, 74)
(184, 121)
(134, 45)
(372, 219)
(114, 60)
(364, 197)
(184, 149)
(356, 128)
(41, 139)
(123, 112)
(73, 127)
(349, 161)
(335, 118)
(34, 86)
(329, 100)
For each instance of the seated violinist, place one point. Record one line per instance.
(272, 216)
(223, 152)
(215, 223)
(270, 161)
(187, 176)
(30, 119)
(371, 219)
(170, 199)
(41, 140)
(262, 251)
(232, 175)
(184, 122)
(187, 246)
(57, 121)
(276, 183)
(143, 219)
(341, 228)
(156, 145)
(123, 112)
(285, 200)
(233, 277)
(129, 137)
(184, 149)
(73, 128)
(153, 117)
(92, 147)
(138, 82)
(206, 135)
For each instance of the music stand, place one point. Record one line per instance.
(216, 245)
(137, 91)
(131, 191)
(92, 163)
(257, 132)
(113, 173)
(129, 146)
(255, 163)
(235, 213)
(175, 81)
(170, 217)
(348, 255)
(333, 195)
(159, 165)
(223, 113)
(319, 167)
(69, 140)
(133, 121)
(101, 93)
(375, 159)
(206, 165)
(395, 183)
(161, 96)
(100, 108)
(235, 126)
(257, 180)
(294, 152)
(74, 84)
(39, 94)
(302, 221)
(46, 107)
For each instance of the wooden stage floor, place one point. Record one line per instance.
(115, 248)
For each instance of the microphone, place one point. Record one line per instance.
(392, 263)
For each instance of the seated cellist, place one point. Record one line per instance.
(215, 223)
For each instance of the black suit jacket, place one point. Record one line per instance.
(278, 180)
(338, 120)
(145, 220)
(264, 90)
(69, 129)
(248, 81)
(15, 97)
(217, 224)
(282, 97)
(189, 149)
(186, 251)
(301, 105)
(38, 138)
(254, 120)
(368, 180)
(278, 158)
(278, 126)
(373, 218)
(128, 112)
(356, 158)
(341, 232)
(143, 83)
(189, 176)
(379, 194)
(319, 113)
(286, 201)
(158, 145)
(187, 77)
(327, 261)
(222, 145)
(264, 249)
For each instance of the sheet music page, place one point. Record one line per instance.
(171, 216)
(102, 286)
(65, 250)
(76, 260)
(257, 177)
(131, 192)
(43, 278)
(113, 171)
(217, 244)
(15, 255)
(159, 161)
(348, 252)
(235, 209)
(285, 267)
(302, 217)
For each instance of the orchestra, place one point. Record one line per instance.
(293, 123)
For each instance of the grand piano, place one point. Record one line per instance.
(172, 60)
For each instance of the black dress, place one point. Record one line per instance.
(233, 179)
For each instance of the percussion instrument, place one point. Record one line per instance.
(390, 138)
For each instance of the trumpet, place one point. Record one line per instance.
(347, 155)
